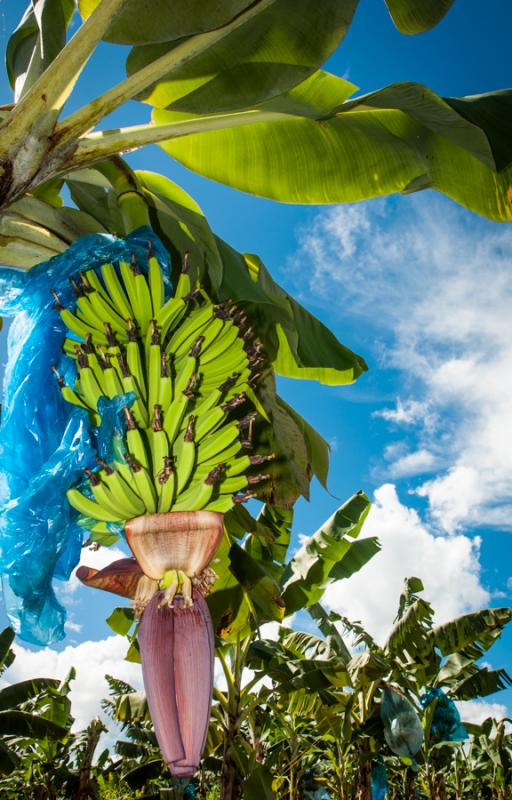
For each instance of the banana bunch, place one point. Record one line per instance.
(192, 367)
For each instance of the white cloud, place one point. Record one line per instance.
(410, 412)
(448, 567)
(92, 660)
(436, 283)
(413, 464)
(476, 711)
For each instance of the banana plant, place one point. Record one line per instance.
(34, 718)
(220, 83)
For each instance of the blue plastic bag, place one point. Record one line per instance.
(403, 731)
(446, 723)
(44, 442)
(379, 781)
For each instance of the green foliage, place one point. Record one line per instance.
(307, 575)
(314, 145)
(39, 37)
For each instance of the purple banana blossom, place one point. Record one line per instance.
(177, 649)
(176, 639)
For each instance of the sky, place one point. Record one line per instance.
(422, 289)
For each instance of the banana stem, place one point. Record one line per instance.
(130, 198)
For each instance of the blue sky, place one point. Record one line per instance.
(422, 289)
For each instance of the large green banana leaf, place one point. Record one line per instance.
(471, 634)
(20, 692)
(150, 21)
(416, 16)
(270, 47)
(481, 683)
(308, 573)
(312, 145)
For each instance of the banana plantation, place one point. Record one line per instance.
(143, 408)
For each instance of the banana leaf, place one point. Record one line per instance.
(312, 145)
(471, 634)
(255, 56)
(307, 575)
(412, 17)
(39, 37)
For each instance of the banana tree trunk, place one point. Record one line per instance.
(231, 780)
(410, 784)
(440, 787)
(85, 789)
(364, 781)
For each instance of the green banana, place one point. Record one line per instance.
(214, 445)
(134, 360)
(115, 289)
(135, 440)
(159, 446)
(121, 489)
(104, 496)
(79, 327)
(166, 488)
(185, 456)
(227, 340)
(143, 484)
(144, 297)
(89, 508)
(183, 391)
(170, 315)
(189, 330)
(156, 282)
(155, 365)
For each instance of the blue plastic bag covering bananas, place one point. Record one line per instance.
(403, 731)
(446, 722)
(45, 442)
(379, 781)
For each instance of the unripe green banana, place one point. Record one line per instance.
(226, 341)
(189, 330)
(166, 487)
(135, 440)
(144, 485)
(160, 450)
(89, 508)
(213, 446)
(185, 456)
(156, 283)
(115, 289)
(121, 490)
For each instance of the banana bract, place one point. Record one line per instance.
(181, 372)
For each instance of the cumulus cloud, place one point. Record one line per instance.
(448, 566)
(438, 281)
(476, 711)
(416, 463)
(92, 660)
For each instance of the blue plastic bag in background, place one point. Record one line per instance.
(379, 781)
(446, 723)
(45, 442)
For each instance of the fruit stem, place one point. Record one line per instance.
(130, 196)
